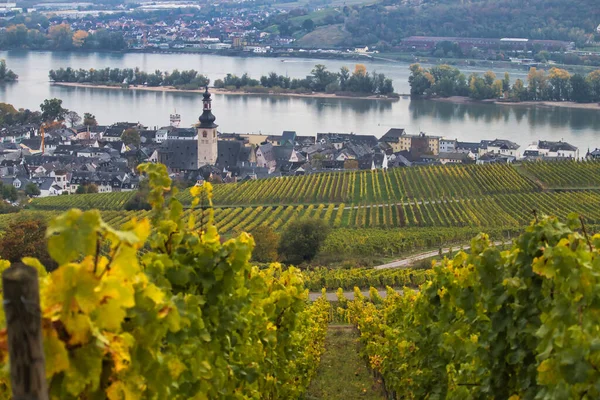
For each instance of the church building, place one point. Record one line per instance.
(185, 155)
(207, 134)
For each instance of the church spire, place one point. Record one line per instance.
(207, 119)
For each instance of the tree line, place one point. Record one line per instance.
(555, 85)
(320, 80)
(190, 79)
(59, 37)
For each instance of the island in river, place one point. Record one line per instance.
(241, 91)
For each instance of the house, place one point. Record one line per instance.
(453, 158)
(288, 138)
(477, 149)
(558, 149)
(397, 139)
(593, 155)
(502, 147)
(254, 139)
(162, 134)
(447, 145)
(275, 140)
(179, 155)
(48, 187)
(339, 139)
(496, 158)
(265, 157)
(231, 155)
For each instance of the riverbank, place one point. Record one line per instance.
(541, 104)
(224, 91)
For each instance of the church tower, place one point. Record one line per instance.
(207, 134)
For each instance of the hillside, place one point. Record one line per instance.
(433, 205)
(392, 20)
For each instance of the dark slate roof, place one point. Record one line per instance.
(180, 154)
(228, 153)
(556, 146)
(282, 153)
(368, 140)
(393, 134)
(114, 131)
(453, 156)
(289, 137)
(503, 144)
(474, 147)
(185, 132)
(34, 143)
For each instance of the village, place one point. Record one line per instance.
(66, 160)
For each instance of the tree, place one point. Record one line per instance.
(62, 36)
(89, 188)
(266, 242)
(560, 84)
(580, 89)
(506, 83)
(26, 238)
(131, 136)
(31, 189)
(52, 110)
(322, 77)
(308, 25)
(519, 92)
(89, 119)
(536, 80)
(9, 192)
(79, 38)
(73, 118)
(420, 80)
(344, 76)
(302, 239)
(5, 73)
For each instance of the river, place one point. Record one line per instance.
(274, 114)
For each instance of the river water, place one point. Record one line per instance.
(274, 114)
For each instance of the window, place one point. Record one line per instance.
(204, 134)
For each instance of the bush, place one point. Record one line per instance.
(266, 242)
(26, 238)
(302, 239)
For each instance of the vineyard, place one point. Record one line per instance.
(516, 324)
(565, 174)
(486, 211)
(190, 318)
(373, 187)
(357, 187)
(363, 278)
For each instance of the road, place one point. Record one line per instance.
(402, 264)
(407, 262)
(331, 296)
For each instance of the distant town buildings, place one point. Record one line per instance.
(70, 159)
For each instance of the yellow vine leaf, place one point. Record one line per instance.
(57, 358)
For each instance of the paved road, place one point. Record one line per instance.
(407, 262)
(402, 264)
(331, 296)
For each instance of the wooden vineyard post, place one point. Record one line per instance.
(24, 327)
